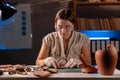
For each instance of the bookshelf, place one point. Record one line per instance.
(97, 16)
(98, 20)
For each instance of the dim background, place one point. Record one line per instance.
(42, 18)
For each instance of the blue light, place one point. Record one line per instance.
(2, 46)
(111, 34)
(8, 5)
(6, 22)
(99, 38)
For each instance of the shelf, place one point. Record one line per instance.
(99, 10)
(96, 3)
(107, 15)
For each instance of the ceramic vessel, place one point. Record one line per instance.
(109, 0)
(106, 60)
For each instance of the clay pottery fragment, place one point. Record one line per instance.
(41, 73)
(87, 68)
(51, 70)
(106, 60)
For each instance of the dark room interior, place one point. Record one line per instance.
(35, 19)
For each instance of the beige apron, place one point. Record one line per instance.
(76, 42)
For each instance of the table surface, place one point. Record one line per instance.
(63, 76)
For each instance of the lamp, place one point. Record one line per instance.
(7, 11)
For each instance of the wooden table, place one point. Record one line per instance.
(63, 76)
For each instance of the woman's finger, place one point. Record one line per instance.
(73, 65)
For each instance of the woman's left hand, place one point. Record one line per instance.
(72, 63)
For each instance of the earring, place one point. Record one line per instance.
(55, 27)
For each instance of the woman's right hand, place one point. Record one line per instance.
(51, 62)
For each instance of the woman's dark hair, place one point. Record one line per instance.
(65, 14)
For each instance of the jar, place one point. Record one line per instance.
(106, 60)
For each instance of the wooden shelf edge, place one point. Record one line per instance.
(97, 3)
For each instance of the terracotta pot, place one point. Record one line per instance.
(108, 0)
(106, 60)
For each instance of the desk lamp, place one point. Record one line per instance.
(7, 10)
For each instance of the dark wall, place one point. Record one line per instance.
(17, 57)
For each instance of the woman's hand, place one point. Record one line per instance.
(51, 61)
(72, 63)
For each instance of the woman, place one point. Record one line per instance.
(63, 47)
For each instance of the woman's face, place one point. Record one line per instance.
(64, 28)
